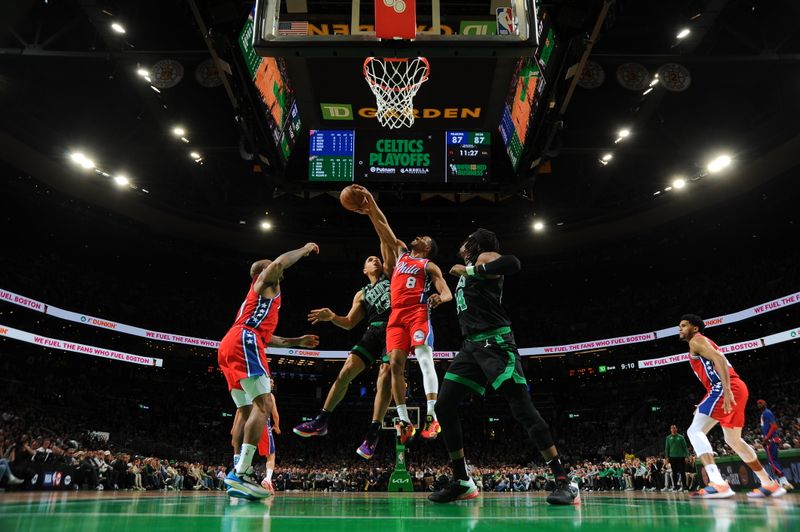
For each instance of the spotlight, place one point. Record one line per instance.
(119, 28)
(265, 226)
(623, 133)
(719, 163)
(143, 72)
(607, 157)
(121, 180)
(194, 155)
(184, 139)
(178, 131)
(155, 89)
(82, 160)
(648, 91)
(679, 183)
(683, 33)
(538, 226)
(654, 82)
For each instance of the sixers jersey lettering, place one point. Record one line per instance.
(410, 282)
(259, 313)
(707, 373)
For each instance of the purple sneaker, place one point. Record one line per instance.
(367, 449)
(314, 427)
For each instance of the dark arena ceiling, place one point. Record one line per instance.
(69, 84)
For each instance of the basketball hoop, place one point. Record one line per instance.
(395, 82)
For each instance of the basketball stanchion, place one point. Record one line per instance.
(400, 480)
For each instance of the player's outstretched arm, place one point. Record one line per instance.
(489, 265)
(389, 254)
(307, 340)
(379, 222)
(352, 319)
(273, 272)
(440, 284)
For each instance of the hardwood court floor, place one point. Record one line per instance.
(383, 512)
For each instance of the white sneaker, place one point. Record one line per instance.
(14, 481)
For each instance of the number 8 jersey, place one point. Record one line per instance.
(410, 282)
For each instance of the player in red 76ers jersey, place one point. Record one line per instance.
(724, 403)
(409, 323)
(242, 359)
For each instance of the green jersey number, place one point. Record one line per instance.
(461, 303)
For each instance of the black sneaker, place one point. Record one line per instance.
(565, 493)
(457, 490)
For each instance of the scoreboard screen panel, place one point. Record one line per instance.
(331, 154)
(468, 156)
(399, 156)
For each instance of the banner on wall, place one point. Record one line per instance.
(101, 352)
(757, 310)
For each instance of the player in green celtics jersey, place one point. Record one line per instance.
(371, 303)
(489, 356)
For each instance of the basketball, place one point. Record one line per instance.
(352, 199)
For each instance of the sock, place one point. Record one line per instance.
(763, 477)
(557, 468)
(246, 458)
(713, 474)
(374, 427)
(269, 475)
(431, 407)
(323, 415)
(402, 413)
(459, 466)
(236, 459)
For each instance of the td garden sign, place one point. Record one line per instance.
(344, 111)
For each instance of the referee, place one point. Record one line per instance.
(676, 452)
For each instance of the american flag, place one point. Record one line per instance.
(292, 28)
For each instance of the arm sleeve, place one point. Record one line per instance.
(503, 265)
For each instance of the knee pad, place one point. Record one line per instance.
(698, 438)
(430, 381)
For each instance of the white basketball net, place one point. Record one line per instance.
(395, 82)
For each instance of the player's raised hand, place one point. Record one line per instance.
(370, 200)
(320, 314)
(308, 340)
(311, 247)
(459, 270)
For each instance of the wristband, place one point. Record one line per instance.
(471, 271)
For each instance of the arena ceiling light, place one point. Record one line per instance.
(265, 225)
(143, 72)
(82, 160)
(719, 163)
(121, 180)
(154, 88)
(683, 33)
(538, 226)
(178, 131)
(194, 155)
(679, 183)
(622, 134)
(648, 91)
(117, 27)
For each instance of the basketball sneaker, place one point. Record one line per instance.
(267, 485)
(785, 484)
(315, 427)
(564, 493)
(367, 449)
(457, 490)
(405, 431)
(431, 429)
(774, 490)
(713, 491)
(245, 483)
